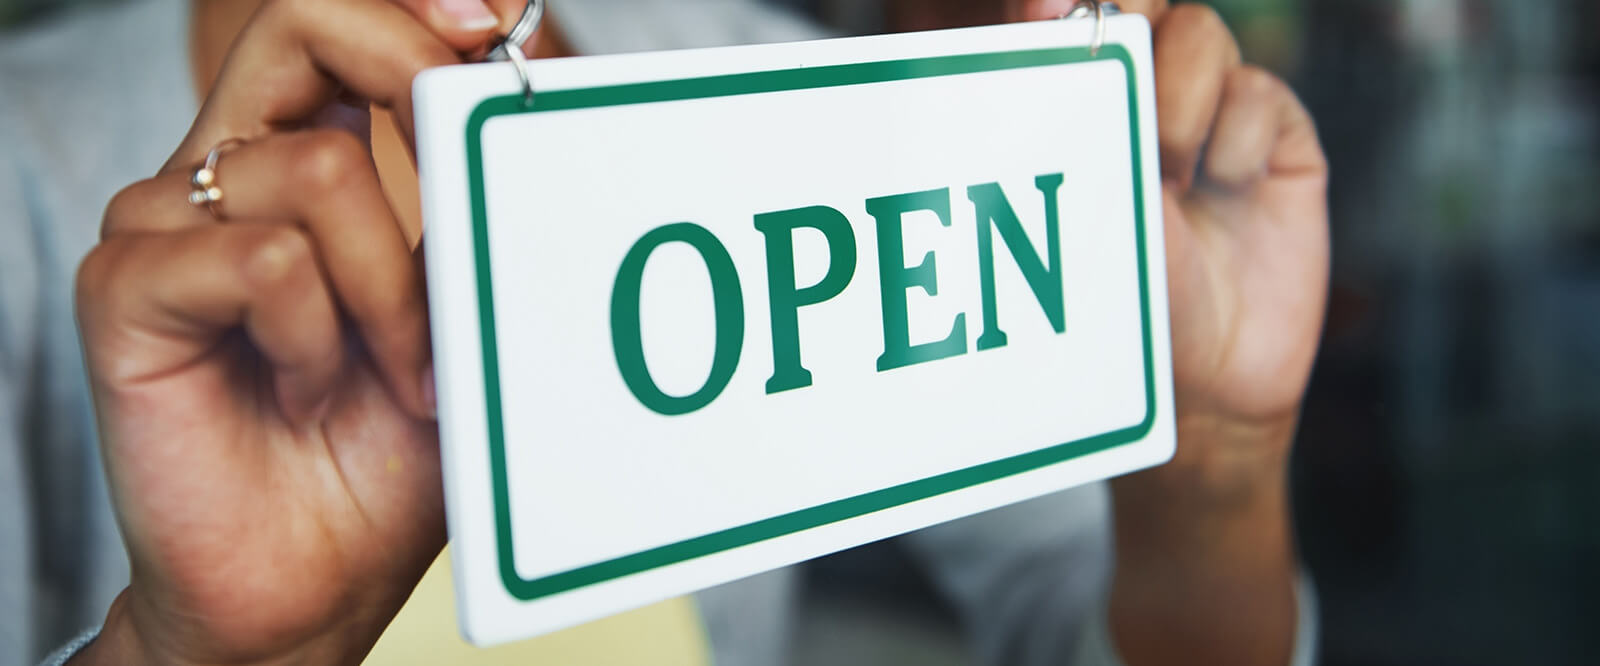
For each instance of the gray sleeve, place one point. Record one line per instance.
(67, 652)
(62, 561)
(1025, 579)
(748, 622)
(18, 289)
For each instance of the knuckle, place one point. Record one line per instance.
(414, 56)
(91, 276)
(394, 305)
(1179, 149)
(1199, 17)
(1183, 133)
(282, 254)
(1151, 8)
(295, 12)
(327, 160)
(1253, 81)
(95, 279)
(1202, 33)
(123, 209)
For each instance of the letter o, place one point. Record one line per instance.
(626, 338)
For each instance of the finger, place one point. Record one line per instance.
(463, 24)
(1258, 111)
(325, 182)
(179, 293)
(546, 42)
(295, 56)
(1193, 54)
(1151, 9)
(1038, 10)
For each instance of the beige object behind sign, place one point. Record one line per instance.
(666, 634)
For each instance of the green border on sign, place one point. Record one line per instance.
(831, 512)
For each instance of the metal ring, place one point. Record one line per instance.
(207, 193)
(1101, 9)
(510, 48)
(521, 62)
(532, 17)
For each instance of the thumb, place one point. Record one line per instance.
(1035, 10)
(465, 25)
(1038, 10)
(471, 26)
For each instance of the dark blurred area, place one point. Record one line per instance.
(1447, 473)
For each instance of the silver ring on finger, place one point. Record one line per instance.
(207, 193)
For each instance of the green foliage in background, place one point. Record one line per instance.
(1247, 7)
(14, 12)
(1271, 32)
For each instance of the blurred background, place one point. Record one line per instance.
(1447, 473)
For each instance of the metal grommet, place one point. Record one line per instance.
(510, 48)
(1100, 9)
(206, 193)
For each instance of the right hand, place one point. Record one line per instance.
(263, 386)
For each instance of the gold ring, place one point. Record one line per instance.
(207, 193)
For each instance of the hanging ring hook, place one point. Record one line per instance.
(1099, 9)
(510, 48)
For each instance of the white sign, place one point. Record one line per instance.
(701, 314)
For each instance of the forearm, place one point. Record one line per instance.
(1205, 566)
(125, 640)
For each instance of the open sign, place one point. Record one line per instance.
(701, 314)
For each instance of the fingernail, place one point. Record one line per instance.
(430, 395)
(1041, 10)
(469, 14)
(1056, 9)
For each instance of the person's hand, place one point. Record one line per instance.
(1205, 556)
(1245, 201)
(1244, 197)
(263, 385)
(1244, 185)
(1205, 562)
